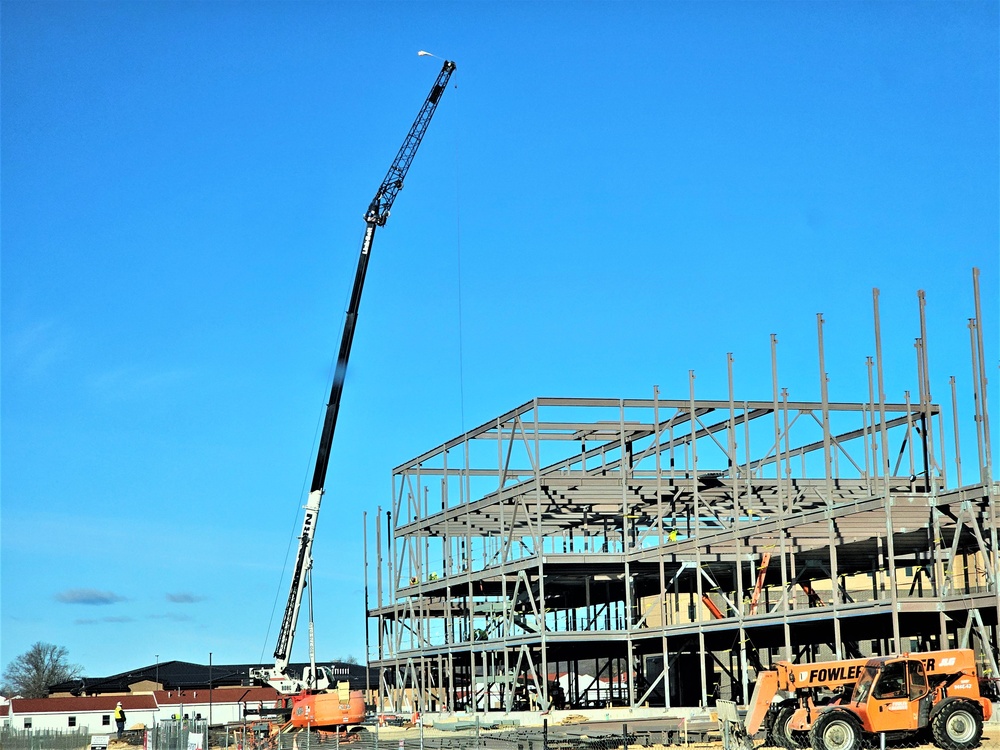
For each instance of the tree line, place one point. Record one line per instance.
(31, 673)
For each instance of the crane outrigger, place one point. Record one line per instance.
(313, 702)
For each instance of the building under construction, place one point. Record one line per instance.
(574, 553)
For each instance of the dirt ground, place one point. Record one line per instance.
(990, 741)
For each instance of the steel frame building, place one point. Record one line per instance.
(560, 555)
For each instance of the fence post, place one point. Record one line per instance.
(624, 736)
(545, 734)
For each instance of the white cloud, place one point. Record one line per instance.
(184, 598)
(102, 620)
(173, 617)
(88, 596)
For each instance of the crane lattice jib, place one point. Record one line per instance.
(378, 211)
(303, 563)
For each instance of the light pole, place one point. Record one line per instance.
(209, 690)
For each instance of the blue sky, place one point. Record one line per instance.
(610, 195)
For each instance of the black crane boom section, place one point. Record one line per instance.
(376, 216)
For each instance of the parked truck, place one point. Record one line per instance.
(939, 693)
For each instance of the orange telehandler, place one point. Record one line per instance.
(898, 696)
(787, 689)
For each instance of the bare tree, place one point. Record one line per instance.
(42, 665)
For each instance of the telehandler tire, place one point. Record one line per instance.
(836, 730)
(785, 737)
(957, 726)
(799, 739)
(770, 737)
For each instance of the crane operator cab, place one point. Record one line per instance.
(321, 681)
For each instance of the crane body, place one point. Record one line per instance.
(313, 703)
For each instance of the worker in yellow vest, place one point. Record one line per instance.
(120, 719)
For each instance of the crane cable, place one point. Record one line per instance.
(297, 517)
(296, 522)
(458, 243)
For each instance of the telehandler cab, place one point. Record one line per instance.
(904, 695)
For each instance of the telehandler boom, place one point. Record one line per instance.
(786, 688)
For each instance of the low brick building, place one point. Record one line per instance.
(220, 694)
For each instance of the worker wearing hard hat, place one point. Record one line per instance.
(120, 719)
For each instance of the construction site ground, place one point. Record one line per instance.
(648, 734)
(594, 729)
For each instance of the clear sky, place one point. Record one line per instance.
(610, 195)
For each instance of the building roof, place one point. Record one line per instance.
(138, 702)
(185, 675)
(222, 695)
(170, 674)
(29, 706)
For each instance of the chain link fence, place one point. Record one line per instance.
(657, 735)
(167, 735)
(946, 731)
(473, 735)
(43, 739)
(175, 735)
(885, 741)
(461, 735)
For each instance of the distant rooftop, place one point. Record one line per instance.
(185, 675)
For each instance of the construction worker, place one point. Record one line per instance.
(120, 719)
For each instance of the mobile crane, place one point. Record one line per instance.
(313, 703)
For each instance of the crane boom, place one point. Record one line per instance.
(375, 216)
